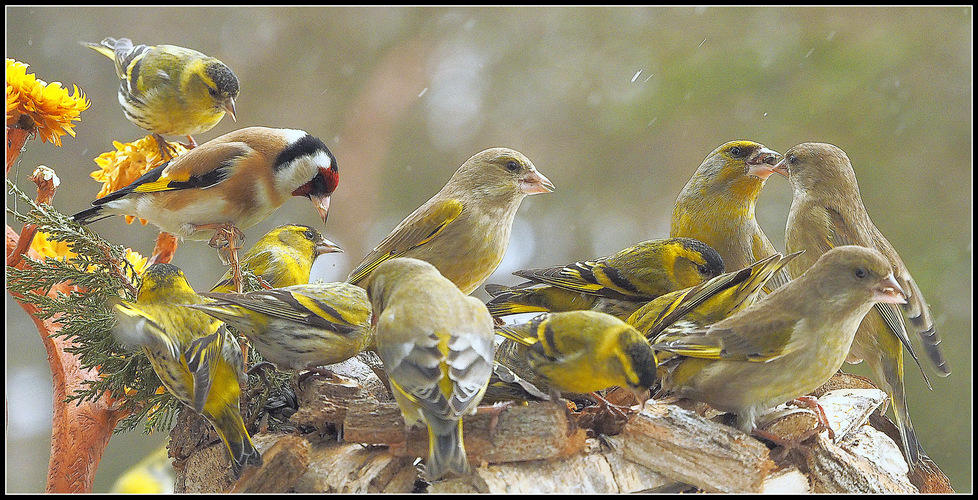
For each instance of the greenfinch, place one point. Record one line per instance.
(436, 344)
(618, 284)
(170, 90)
(704, 304)
(717, 204)
(197, 360)
(237, 179)
(578, 352)
(827, 211)
(282, 257)
(299, 326)
(463, 230)
(786, 344)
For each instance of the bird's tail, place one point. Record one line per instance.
(92, 214)
(446, 450)
(226, 419)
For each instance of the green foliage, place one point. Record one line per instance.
(103, 276)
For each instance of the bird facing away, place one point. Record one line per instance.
(785, 345)
(436, 344)
(827, 211)
(463, 230)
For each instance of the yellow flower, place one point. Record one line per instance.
(61, 250)
(51, 108)
(129, 161)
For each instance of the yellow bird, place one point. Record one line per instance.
(170, 90)
(717, 204)
(195, 357)
(578, 352)
(618, 284)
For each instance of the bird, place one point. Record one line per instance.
(436, 344)
(152, 474)
(195, 357)
(298, 327)
(617, 284)
(716, 206)
(786, 344)
(282, 257)
(237, 180)
(827, 211)
(170, 90)
(578, 352)
(463, 230)
(704, 304)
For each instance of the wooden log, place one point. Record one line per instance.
(680, 444)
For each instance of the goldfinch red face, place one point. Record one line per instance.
(238, 178)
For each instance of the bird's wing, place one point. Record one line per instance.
(418, 229)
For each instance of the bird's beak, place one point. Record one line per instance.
(762, 165)
(325, 246)
(782, 168)
(322, 205)
(534, 182)
(228, 106)
(641, 396)
(888, 291)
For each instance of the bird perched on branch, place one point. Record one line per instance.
(827, 211)
(195, 357)
(717, 204)
(436, 344)
(463, 230)
(239, 178)
(282, 257)
(618, 284)
(170, 90)
(785, 345)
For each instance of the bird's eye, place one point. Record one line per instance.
(860, 273)
(309, 235)
(738, 152)
(792, 159)
(213, 92)
(512, 166)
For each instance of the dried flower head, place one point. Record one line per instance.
(129, 161)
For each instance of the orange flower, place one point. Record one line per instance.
(129, 161)
(51, 108)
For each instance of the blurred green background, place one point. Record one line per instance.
(617, 106)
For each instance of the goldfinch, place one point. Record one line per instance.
(436, 344)
(618, 284)
(239, 178)
(785, 345)
(826, 212)
(717, 204)
(704, 304)
(170, 90)
(282, 257)
(578, 352)
(463, 230)
(299, 326)
(197, 360)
